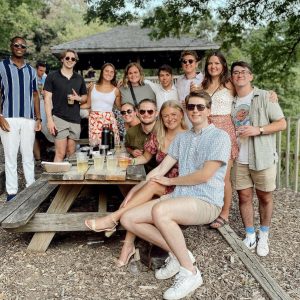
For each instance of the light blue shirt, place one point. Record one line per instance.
(192, 150)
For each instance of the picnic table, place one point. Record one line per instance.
(21, 214)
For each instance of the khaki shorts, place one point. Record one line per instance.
(204, 212)
(66, 129)
(243, 178)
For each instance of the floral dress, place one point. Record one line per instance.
(151, 146)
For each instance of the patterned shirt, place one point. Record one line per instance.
(17, 86)
(192, 150)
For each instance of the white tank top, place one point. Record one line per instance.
(102, 101)
(221, 102)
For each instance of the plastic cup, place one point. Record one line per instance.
(82, 162)
(112, 162)
(98, 161)
(123, 161)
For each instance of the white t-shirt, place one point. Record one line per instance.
(162, 95)
(241, 118)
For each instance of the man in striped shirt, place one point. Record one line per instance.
(20, 114)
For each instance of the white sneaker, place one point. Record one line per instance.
(185, 283)
(250, 241)
(262, 244)
(171, 267)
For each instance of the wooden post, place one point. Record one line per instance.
(287, 153)
(297, 155)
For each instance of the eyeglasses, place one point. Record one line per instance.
(190, 61)
(191, 107)
(148, 111)
(128, 112)
(243, 72)
(70, 58)
(19, 46)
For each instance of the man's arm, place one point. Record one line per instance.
(37, 111)
(273, 127)
(48, 109)
(200, 176)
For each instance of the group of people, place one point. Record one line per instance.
(196, 138)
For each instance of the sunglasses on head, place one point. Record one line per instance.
(148, 111)
(21, 46)
(185, 61)
(128, 112)
(70, 58)
(191, 107)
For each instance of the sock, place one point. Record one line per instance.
(264, 228)
(250, 230)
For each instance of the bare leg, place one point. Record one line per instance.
(158, 223)
(246, 206)
(60, 149)
(227, 198)
(37, 149)
(126, 249)
(265, 207)
(71, 147)
(143, 195)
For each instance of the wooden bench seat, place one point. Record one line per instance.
(20, 210)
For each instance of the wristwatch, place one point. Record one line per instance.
(261, 130)
(38, 119)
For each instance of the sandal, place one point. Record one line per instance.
(134, 252)
(91, 224)
(218, 223)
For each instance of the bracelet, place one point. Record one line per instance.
(38, 119)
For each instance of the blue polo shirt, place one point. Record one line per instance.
(192, 150)
(17, 86)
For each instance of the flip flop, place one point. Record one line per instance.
(218, 222)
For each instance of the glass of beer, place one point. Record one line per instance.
(123, 161)
(112, 162)
(98, 161)
(82, 162)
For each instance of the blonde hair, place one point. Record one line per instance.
(161, 129)
(139, 67)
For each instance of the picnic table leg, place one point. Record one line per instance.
(61, 203)
(102, 202)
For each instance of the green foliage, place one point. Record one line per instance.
(263, 32)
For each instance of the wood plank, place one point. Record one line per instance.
(73, 174)
(136, 173)
(43, 223)
(25, 212)
(102, 202)
(9, 207)
(61, 203)
(105, 174)
(270, 286)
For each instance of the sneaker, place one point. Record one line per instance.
(262, 244)
(250, 241)
(10, 197)
(171, 267)
(185, 283)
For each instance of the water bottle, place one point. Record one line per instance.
(105, 136)
(111, 138)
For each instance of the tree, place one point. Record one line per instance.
(266, 32)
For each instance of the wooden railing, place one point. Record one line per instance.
(288, 146)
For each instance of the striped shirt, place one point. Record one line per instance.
(17, 86)
(192, 150)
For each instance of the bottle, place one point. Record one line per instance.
(111, 138)
(105, 136)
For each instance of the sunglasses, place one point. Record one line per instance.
(148, 111)
(190, 61)
(191, 107)
(70, 58)
(128, 112)
(19, 46)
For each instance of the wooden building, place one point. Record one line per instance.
(123, 44)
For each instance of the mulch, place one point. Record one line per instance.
(82, 265)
